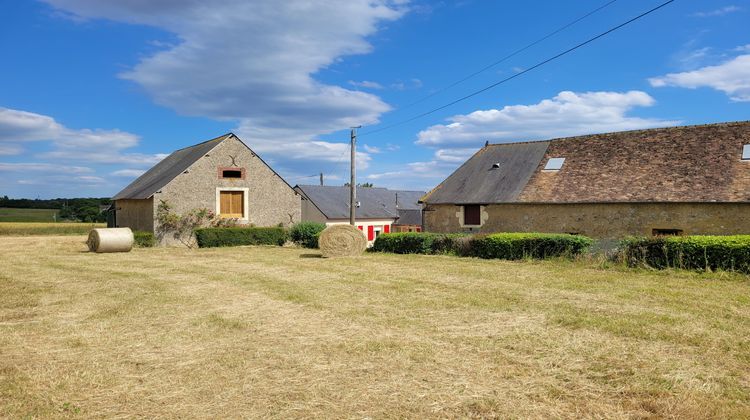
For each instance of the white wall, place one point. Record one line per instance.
(377, 224)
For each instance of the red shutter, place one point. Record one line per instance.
(371, 233)
(387, 229)
(359, 227)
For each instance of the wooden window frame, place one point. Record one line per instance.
(478, 216)
(245, 201)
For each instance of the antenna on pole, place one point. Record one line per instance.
(353, 181)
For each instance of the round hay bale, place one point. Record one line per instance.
(110, 240)
(342, 241)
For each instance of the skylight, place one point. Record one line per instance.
(554, 164)
(746, 152)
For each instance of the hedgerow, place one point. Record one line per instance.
(236, 236)
(729, 253)
(144, 239)
(510, 246)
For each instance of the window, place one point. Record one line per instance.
(473, 215)
(231, 173)
(554, 164)
(746, 152)
(666, 232)
(232, 204)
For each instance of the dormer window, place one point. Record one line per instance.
(232, 173)
(746, 152)
(496, 165)
(554, 164)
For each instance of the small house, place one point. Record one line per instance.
(222, 175)
(379, 210)
(665, 181)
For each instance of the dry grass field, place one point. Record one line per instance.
(276, 332)
(29, 228)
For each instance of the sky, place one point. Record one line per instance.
(94, 92)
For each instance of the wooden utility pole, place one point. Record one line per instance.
(353, 181)
(321, 179)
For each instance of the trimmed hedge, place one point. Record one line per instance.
(516, 246)
(729, 253)
(236, 236)
(144, 239)
(415, 243)
(306, 233)
(511, 246)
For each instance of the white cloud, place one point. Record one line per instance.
(43, 168)
(255, 61)
(371, 149)
(84, 145)
(567, 114)
(718, 12)
(129, 173)
(367, 84)
(731, 77)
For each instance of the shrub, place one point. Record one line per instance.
(144, 239)
(516, 246)
(730, 253)
(502, 245)
(306, 233)
(405, 243)
(214, 237)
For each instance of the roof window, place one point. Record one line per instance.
(554, 164)
(746, 152)
(496, 165)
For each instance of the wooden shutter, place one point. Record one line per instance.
(232, 204)
(370, 233)
(472, 215)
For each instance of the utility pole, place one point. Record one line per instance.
(353, 181)
(321, 179)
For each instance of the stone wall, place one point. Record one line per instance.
(269, 200)
(604, 221)
(135, 214)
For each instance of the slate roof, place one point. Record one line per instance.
(165, 171)
(375, 203)
(409, 217)
(699, 163)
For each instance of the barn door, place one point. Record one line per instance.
(231, 204)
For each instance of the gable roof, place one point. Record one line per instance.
(375, 203)
(677, 164)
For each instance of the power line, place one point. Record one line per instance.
(509, 56)
(569, 50)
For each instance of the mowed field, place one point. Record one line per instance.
(53, 229)
(278, 332)
(27, 215)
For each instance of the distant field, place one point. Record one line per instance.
(271, 332)
(27, 215)
(52, 229)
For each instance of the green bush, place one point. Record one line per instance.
(502, 245)
(730, 253)
(144, 239)
(516, 246)
(236, 236)
(306, 233)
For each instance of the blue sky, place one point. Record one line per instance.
(94, 92)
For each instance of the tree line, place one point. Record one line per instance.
(74, 209)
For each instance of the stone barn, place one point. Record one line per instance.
(223, 175)
(668, 181)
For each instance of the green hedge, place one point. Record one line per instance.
(236, 236)
(306, 233)
(510, 246)
(416, 243)
(516, 246)
(730, 253)
(144, 239)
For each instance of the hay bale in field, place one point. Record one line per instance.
(110, 240)
(342, 241)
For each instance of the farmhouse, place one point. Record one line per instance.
(666, 181)
(379, 210)
(222, 175)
